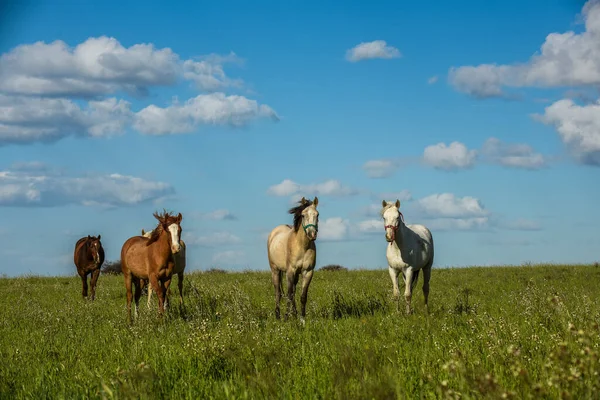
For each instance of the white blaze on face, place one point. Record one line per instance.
(390, 219)
(175, 246)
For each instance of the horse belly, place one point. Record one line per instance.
(137, 260)
(277, 250)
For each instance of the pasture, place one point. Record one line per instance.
(503, 332)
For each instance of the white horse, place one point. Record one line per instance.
(179, 266)
(410, 249)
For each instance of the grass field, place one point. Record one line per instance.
(503, 332)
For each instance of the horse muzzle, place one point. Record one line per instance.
(175, 249)
(312, 235)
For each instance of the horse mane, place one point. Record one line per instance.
(164, 217)
(297, 212)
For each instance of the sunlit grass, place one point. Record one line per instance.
(516, 332)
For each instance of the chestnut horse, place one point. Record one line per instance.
(292, 250)
(148, 258)
(88, 258)
(178, 261)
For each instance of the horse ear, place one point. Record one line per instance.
(316, 201)
(384, 203)
(143, 232)
(179, 218)
(302, 200)
(397, 203)
(89, 237)
(99, 236)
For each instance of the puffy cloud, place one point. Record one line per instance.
(512, 155)
(565, 59)
(30, 119)
(380, 168)
(206, 109)
(447, 205)
(45, 189)
(370, 50)
(370, 226)
(457, 224)
(333, 229)
(452, 157)
(218, 215)
(212, 240)
(328, 188)
(403, 195)
(578, 128)
(208, 73)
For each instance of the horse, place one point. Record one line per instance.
(88, 258)
(292, 250)
(179, 266)
(148, 258)
(410, 250)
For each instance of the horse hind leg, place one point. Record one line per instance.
(276, 279)
(306, 278)
(426, 278)
(149, 287)
(138, 293)
(408, 285)
(180, 286)
(292, 280)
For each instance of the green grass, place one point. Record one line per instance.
(516, 332)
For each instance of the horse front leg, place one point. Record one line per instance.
(408, 285)
(180, 286)
(94, 281)
(159, 292)
(396, 292)
(306, 278)
(84, 289)
(149, 294)
(291, 292)
(166, 285)
(276, 279)
(137, 283)
(127, 277)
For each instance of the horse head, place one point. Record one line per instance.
(94, 245)
(391, 217)
(307, 217)
(171, 225)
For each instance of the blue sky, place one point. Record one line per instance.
(483, 118)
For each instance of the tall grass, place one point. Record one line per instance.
(517, 332)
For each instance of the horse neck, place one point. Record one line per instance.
(301, 238)
(400, 234)
(162, 247)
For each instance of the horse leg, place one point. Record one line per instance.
(93, 282)
(276, 279)
(137, 282)
(394, 275)
(180, 286)
(166, 286)
(127, 276)
(408, 284)
(149, 294)
(426, 277)
(291, 279)
(306, 278)
(159, 292)
(84, 290)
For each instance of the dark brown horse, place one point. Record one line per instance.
(148, 258)
(88, 257)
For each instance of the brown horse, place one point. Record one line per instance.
(88, 258)
(292, 250)
(148, 258)
(178, 261)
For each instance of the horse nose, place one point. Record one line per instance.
(175, 248)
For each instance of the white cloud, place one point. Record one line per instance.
(371, 226)
(333, 229)
(452, 157)
(512, 155)
(98, 66)
(328, 188)
(208, 73)
(30, 119)
(206, 109)
(44, 189)
(432, 80)
(229, 258)
(214, 239)
(403, 195)
(370, 50)
(380, 168)
(565, 59)
(217, 215)
(578, 128)
(457, 224)
(447, 205)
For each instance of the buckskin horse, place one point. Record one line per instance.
(410, 250)
(291, 249)
(88, 258)
(148, 258)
